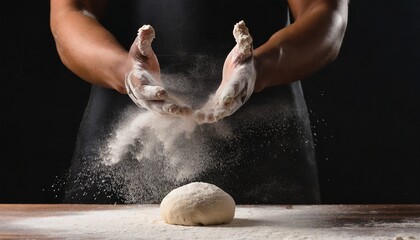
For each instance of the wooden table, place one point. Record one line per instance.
(24, 221)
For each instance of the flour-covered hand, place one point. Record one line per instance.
(143, 82)
(238, 80)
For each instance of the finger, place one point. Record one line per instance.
(135, 96)
(185, 111)
(199, 116)
(175, 109)
(137, 83)
(151, 93)
(243, 38)
(223, 111)
(207, 116)
(232, 90)
(145, 34)
(228, 94)
(178, 106)
(167, 108)
(153, 98)
(228, 108)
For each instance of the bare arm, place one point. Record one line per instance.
(305, 46)
(85, 46)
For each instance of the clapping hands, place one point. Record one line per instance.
(145, 87)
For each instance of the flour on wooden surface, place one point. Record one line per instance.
(262, 222)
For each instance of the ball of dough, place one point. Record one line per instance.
(197, 203)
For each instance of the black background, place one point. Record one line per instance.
(364, 107)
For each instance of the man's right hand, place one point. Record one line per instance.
(143, 82)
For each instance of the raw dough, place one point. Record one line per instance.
(197, 203)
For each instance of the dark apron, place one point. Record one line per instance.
(263, 154)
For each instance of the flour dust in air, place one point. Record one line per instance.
(146, 136)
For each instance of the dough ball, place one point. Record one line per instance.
(197, 203)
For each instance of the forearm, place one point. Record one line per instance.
(302, 48)
(86, 47)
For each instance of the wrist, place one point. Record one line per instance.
(261, 81)
(118, 72)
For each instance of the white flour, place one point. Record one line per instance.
(251, 222)
(166, 130)
(147, 155)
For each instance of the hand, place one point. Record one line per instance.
(238, 80)
(143, 82)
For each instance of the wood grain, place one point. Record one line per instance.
(62, 221)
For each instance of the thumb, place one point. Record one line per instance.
(145, 35)
(142, 45)
(244, 45)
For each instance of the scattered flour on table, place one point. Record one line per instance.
(263, 222)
